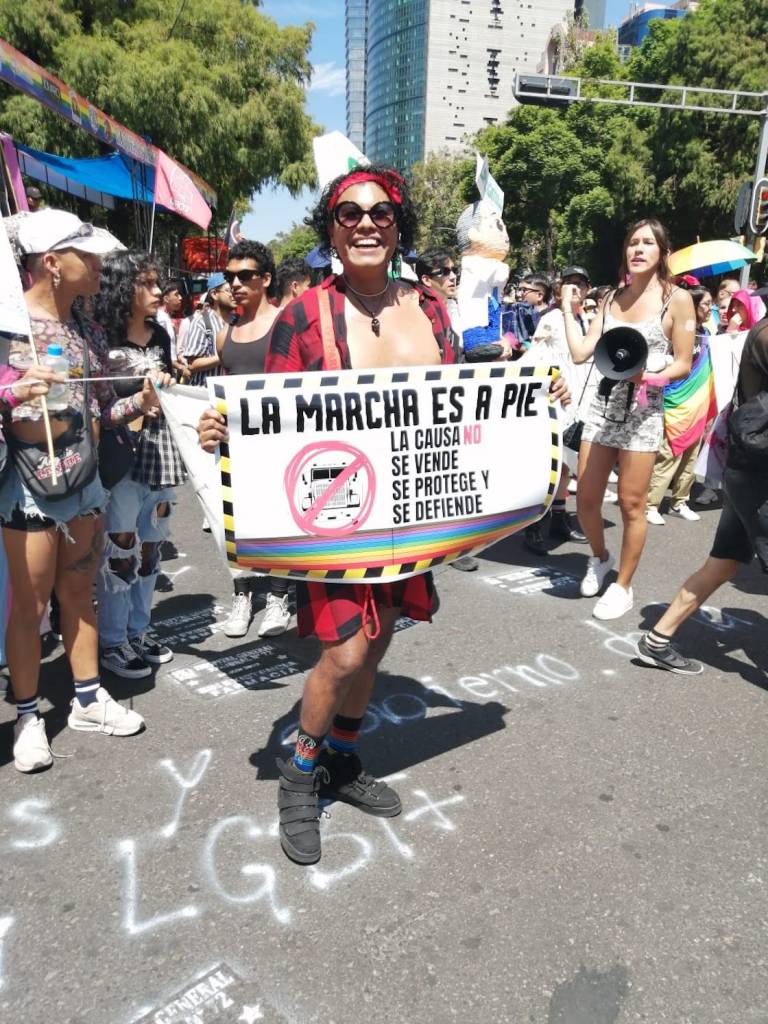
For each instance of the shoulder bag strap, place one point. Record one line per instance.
(331, 360)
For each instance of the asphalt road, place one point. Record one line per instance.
(583, 839)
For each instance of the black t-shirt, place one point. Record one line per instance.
(753, 368)
(130, 359)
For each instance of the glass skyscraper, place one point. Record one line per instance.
(396, 81)
(424, 75)
(356, 23)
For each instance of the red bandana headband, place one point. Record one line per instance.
(358, 177)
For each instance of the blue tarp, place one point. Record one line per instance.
(98, 179)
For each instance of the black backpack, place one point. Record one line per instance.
(748, 432)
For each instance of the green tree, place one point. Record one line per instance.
(214, 83)
(575, 177)
(294, 243)
(441, 187)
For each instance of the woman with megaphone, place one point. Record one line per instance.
(641, 340)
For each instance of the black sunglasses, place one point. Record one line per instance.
(349, 215)
(443, 272)
(243, 276)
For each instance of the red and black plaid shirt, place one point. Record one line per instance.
(297, 341)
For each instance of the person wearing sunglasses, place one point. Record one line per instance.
(437, 270)
(366, 218)
(242, 348)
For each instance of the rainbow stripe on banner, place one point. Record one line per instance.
(690, 404)
(378, 553)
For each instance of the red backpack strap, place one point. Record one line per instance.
(331, 360)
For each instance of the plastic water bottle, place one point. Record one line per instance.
(58, 394)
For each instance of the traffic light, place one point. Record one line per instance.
(758, 214)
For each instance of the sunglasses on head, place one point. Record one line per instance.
(243, 276)
(443, 272)
(349, 215)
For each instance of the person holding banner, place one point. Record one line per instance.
(361, 319)
(627, 426)
(55, 542)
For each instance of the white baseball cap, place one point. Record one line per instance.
(53, 230)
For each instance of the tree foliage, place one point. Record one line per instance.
(575, 178)
(295, 243)
(441, 187)
(214, 83)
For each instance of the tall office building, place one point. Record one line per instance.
(436, 71)
(595, 11)
(637, 25)
(356, 22)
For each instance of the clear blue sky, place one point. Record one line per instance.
(615, 11)
(274, 210)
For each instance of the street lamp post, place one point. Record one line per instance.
(554, 90)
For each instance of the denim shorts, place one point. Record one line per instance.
(132, 508)
(91, 500)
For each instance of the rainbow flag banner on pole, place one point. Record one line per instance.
(376, 475)
(690, 403)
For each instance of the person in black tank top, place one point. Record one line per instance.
(742, 531)
(242, 349)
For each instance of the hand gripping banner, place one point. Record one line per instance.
(382, 474)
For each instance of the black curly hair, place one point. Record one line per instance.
(261, 256)
(321, 217)
(120, 271)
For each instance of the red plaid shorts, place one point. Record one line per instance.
(335, 611)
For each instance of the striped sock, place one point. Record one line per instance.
(657, 641)
(342, 739)
(558, 505)
(307, 749)
(85, 691)
(27, 707)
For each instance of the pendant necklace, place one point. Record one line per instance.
(375, 322)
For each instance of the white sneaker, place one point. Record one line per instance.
(277, 617)
(31, 751)
(654, 517)
(614, 603)
(613, 477)
(206, 527)
(610, 497)
(595, 575)
(684, 512)
(104, 715)
(240, 617)
(572, 485)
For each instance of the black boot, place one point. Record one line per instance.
(299, 812)
(562, 526)
(533, 538)
(346, 780)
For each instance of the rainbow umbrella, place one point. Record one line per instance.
(706, 259)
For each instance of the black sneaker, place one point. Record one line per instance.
(562, 526)
(349, 783)
(465, 564)
(123, 661)
(150, 649)
(299, 812)
(668, 658)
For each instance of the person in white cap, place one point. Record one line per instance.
(55, 544)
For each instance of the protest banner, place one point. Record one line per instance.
(377, 474)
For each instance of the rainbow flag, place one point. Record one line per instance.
(690, 404)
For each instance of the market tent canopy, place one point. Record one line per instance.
(99, 179)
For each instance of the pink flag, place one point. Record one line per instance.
(175, 191)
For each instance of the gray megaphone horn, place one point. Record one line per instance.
(621, 353)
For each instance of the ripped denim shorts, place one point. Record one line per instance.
(20, 511)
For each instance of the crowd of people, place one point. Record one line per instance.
(93, 540)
